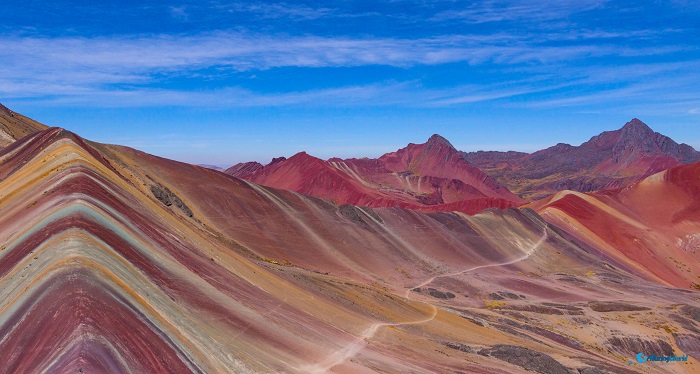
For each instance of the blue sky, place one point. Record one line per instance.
(221, 82)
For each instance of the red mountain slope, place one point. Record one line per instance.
(244, 169)
(652, 226)
(429, 177)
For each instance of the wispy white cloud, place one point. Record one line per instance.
(379, 94)
(475, 94)
(248, 52)
(130, 71)
(36, 66)
(269, 10)
(225, 98)
(618, 94)
(390, 93)
(529, 10)
(650, 95)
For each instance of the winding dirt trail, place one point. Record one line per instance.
(527, 254)
(340, 356)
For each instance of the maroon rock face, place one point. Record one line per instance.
(427, 177)
(612, 159)
(637, 140)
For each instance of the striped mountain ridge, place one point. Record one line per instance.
(79, 256)
(14, 126)
(428, 177)
(98, 274)
(652, 226)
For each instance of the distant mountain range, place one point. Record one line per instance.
(429, 177)
(213, 167)
(434, 176)
(612, 159)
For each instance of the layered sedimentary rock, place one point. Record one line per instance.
(98, 273)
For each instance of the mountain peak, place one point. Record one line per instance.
(635, 134)
(636, 131)
(436, 139)
(637, 140)
(301, 154)
(277, 159)
(636, 126)
(300, 157)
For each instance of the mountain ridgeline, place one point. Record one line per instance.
(115, 260)
(434, 176)
(612, 159)
(427, 177)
